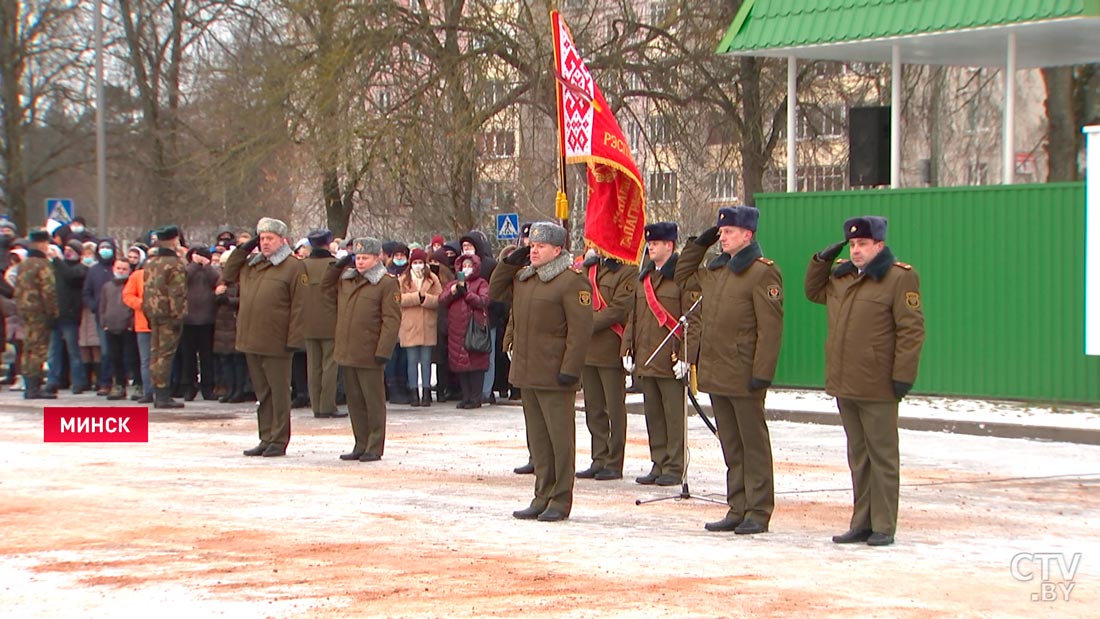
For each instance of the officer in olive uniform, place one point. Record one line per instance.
(269, 326)
(658, 305)
(36, 303)
(368, 322)
(876, 331)
(551, 328)
(742, 328)
(604, 382)
(319, 328)
(164, 302)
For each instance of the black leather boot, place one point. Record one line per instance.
(162, 398)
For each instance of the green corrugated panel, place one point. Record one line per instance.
(1002, 278)
(768, 24)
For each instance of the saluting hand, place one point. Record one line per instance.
(708, 237)
(831, 252)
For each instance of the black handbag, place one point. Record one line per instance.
(477, 337)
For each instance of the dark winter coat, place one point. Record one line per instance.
(114, 315)
(98, 274)
(498, 311)
(201, 280)
(225, 320)
(461, 308)
(70, 285)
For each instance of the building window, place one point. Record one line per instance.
(661, 187)
(723, 186)
(657, 12)
(810, 178)
(496, 196)
(818, 122)
(632, 131)
(498, 144)
(657, 129)
(495, 92)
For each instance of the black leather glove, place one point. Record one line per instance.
(250, 244)
(345, 261)
(460, 290)
(381, 360)
(831, 252)
(520, 257)
(901, 389)
(759, 383)
(708, 237)
(565, 379)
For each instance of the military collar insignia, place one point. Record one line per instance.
(740, 262)
(548, 271)
(276, 258)
(876, 270)
(668, 271)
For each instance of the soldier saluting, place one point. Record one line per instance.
(742, 328)
(876, 332)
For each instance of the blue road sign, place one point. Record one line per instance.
(507, 226)
(60, 209)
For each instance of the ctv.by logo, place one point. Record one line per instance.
(1026, 565)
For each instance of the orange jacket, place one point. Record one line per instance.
(132, 294)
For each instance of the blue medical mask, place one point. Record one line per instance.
(87, 261)
(106, 253)
(400, 262)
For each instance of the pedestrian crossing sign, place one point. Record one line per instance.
(507, 226)
(59, 209)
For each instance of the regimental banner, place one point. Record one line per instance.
(614, 222)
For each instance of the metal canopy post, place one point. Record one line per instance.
(895, 117)
(1009, 122)
(792, 123)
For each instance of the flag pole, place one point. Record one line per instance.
(561, 201)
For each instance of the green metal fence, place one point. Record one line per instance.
(1002, 279)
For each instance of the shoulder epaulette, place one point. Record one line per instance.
(766, 261)
(903, 265)
(391, 275)
(577, 269)
(840, 261)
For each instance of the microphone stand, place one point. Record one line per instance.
(682, 325)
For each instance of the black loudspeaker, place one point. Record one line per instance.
(869, 146)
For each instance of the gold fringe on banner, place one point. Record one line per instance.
(561, 206)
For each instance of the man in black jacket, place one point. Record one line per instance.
(70, 274)
(100, 273)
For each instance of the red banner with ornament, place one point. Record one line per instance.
(614, 222)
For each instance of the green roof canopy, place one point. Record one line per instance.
(939, 32)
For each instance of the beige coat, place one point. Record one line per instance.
(419, 319)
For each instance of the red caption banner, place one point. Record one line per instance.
(95, 424)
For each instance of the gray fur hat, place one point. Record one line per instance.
(547, 232)
(274, 226)
(366, 245)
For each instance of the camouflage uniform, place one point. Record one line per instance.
(36, 302)
(164, 304)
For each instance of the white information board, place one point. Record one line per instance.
(1092, 240)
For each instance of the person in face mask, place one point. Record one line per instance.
(78, 230)
(466, 299)
(99, 274)
(420, 290)
(117, 320)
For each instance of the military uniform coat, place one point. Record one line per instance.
(164, 298)
(269, 319)
(318, 308)
(742, 317)
(616, 282)
(644, 334)
(368, 315)
(551, 322)
(876, 325)
(36, 304)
